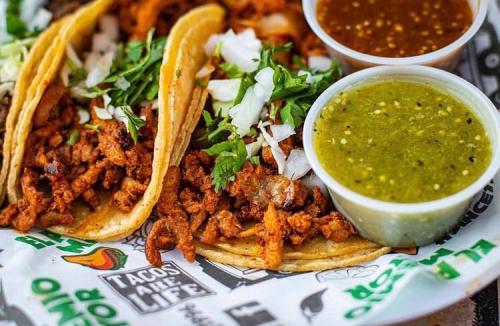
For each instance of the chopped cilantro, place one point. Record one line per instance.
(292, 97)
(92, 127)
(201, 82)
(255, 160)
(15, 26)
(178, 73)
(139, 64)
(231, 155)
(74, 136)
(134, 123)
(232, 70)
(77, 73)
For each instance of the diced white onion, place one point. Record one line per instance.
(282, 132)
(71, 53)
(109, 25)
(320, 63)
(205, 71)
(221, 108)
(9, 70)
(102, 114)
(122, 83)
(309, 78)
(265, 83)
(242, 50)
(6, 88)
(276, 150)
(102, 43)
(41, 19)
(121, 116)
(78, 92)
(313, 180)
(100, 71)
(224, 89)
(296, 165)
(254, 148)
(247, 113)
(211, 44)
(84, 116)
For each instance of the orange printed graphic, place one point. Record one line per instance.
(102, 258)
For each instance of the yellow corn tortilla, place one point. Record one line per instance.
(22, 91)
(293, 265)
(108, 222)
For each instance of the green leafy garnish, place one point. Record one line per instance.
(134, 123)
(232, 70)
(255, 160)
(74, 136)
(139, 64)
(134, 78)
(15, 26)
(231, 153)
(292, 97)
(92, 127)
(77, 73)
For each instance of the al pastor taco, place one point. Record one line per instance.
(239, 189)
(94, 140)
(27, 30)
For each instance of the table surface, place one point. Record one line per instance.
(481, 309)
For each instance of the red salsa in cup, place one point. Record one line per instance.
(395, 28)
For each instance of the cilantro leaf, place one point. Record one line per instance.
(232, 70)
(134, 123)
(134, 50)
(231, 155)
(15, 26)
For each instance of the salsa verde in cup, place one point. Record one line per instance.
(401, 141)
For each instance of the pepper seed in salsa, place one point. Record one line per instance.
(395, 28)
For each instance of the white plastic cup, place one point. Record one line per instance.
(445, 58)
(398, 224)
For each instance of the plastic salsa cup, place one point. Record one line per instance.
(351, 60)
(398, 224)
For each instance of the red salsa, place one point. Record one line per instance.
(395, 28)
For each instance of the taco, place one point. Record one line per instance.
(239, 189)
(27, 30)
(94, 140)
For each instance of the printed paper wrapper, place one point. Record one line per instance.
(46, 279)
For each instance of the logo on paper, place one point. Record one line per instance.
(137, 240)
(79, 307)
(152, 289)
(102, 258)
(251, 314)
(346, 273)
(312, 305)
(233, 276)
(196, 317)
(478, 207)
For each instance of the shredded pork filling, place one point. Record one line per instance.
(258, 204)
(56, 173)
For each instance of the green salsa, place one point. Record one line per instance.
(401, 141)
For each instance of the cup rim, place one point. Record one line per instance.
(483, 103)
(310, 14)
